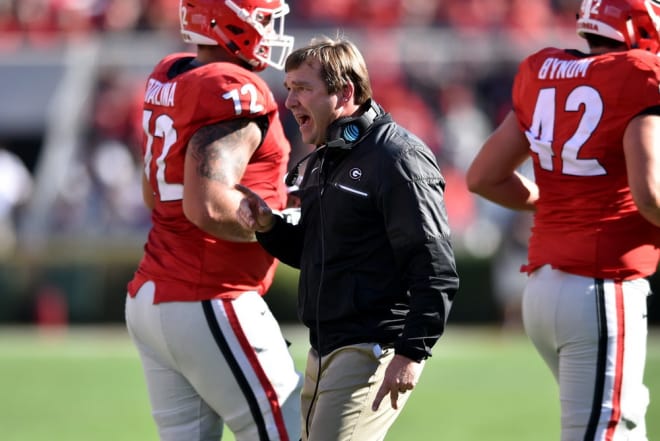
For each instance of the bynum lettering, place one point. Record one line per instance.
(556, 69)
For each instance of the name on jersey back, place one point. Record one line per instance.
(160, 94)
(557, 69)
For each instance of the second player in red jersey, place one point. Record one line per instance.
(574, 109)
(591, 124)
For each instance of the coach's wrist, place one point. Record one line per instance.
(414, 354)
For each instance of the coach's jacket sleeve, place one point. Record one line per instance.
(418, 229)
(283, 241)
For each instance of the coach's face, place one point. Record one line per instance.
(308, 99)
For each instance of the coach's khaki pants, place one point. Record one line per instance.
(349, 380)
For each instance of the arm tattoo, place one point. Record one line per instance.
(217, 149)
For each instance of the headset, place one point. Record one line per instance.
(343, 133)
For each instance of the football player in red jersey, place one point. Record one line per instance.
(211, 350)
(591, 124)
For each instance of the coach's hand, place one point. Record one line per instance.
(253, 212)
(401, 376)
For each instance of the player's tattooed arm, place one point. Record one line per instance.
(218, 149)
(216, 160)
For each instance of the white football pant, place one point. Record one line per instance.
(216, 362)
(592, 334)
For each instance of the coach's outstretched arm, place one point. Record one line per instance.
(286, 241)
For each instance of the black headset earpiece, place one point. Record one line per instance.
(345, 132)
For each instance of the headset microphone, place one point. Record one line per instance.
(292, 176)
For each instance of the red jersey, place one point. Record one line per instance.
(574, 109)
(187, 263)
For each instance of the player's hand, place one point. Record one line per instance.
(253, 212)
(401, 376)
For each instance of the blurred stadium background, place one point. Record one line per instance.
(72, 223)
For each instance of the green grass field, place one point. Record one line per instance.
(86, 384)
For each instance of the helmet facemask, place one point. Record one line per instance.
(252, 30)
(274, 45)
(648, 35)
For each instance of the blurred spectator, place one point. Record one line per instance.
(377, 13)
(116, 175)
(475, 16)
(16, 185)
(101, 188)
(322, 13)
(463, 123)
(411, 111)
(9, 26)
(73, 18)
(113, 151)
(117, 113)
(118, 15)
(36, 20)
(161, 15)
(508, 281)
(565, 12)
(525, 18)
(420, 12)
(464, 127)
(461, 206)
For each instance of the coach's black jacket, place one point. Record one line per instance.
(372, 245)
